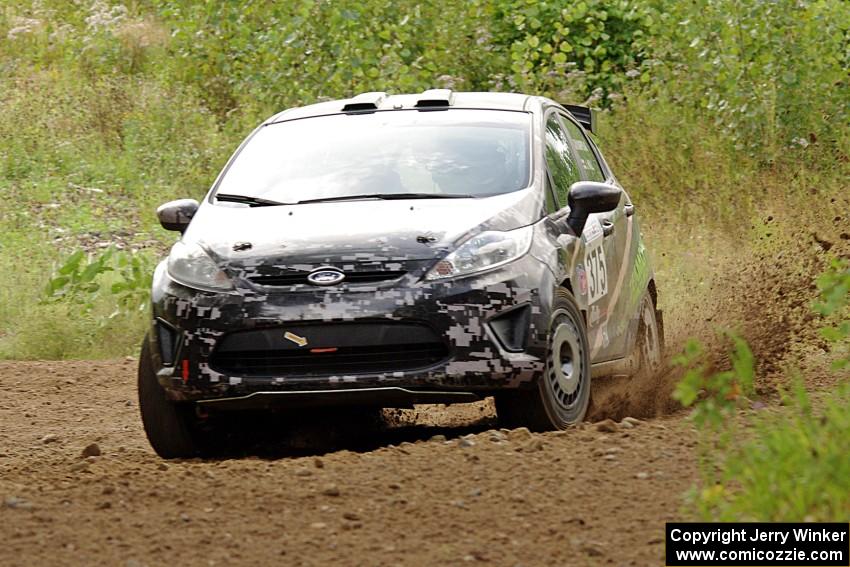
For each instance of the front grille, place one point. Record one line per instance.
(287, 278)
(343, 348)
(346, 360)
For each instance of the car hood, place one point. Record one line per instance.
(352, 231)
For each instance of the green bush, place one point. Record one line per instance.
(83, 280)
(772, 75)
(791, 466)
(573, 50)
(267, 56)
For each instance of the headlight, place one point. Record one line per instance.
(483, 251)
(189, 265)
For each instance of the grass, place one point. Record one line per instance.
(89, 146)
(780, 464)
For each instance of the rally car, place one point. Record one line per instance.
(391, 250)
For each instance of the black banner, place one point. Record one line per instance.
(763, 544)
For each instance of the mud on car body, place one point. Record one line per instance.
(382, 251)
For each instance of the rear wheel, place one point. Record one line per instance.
(650, 342)
(172, 428)
(561, 395)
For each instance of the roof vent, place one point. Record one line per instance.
(436, 98)
(365, 102)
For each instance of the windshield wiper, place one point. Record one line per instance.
(387, 196)
(260, 202)
(250, 201)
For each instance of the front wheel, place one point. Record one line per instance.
(562, 393)
(171, 428)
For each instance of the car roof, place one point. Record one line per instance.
(430, 99)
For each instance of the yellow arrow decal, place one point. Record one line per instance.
(300, 341)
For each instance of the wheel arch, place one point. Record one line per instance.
(653, 292)
(567, 284)
(659, 318)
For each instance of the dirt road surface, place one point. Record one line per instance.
(442, 487)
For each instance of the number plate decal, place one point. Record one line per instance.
(594, 262)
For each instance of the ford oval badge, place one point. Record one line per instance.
(326, 276)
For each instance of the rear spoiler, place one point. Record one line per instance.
(585, 116)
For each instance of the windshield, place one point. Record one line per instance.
(455, 152)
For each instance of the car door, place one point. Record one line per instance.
(596, 251)
(608, 317)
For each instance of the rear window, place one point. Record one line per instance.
(456, 152)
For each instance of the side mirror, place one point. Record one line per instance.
(588, 197)
(175, 215)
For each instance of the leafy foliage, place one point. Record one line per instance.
(834, 286)
(577, 49)
(715, 396)
(76, 280)
(772, 75)
(83, 278)
(768, 72)
(277, 54)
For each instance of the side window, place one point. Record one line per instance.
(552, 205)
(588, 159)
(560, 159)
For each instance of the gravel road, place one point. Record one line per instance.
(80, 486)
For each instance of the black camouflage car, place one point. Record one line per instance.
(384, 251)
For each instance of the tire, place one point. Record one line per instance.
(171, 428)
(650, 340)
(561, 395)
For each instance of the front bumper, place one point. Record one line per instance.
(459, 313)
(387, 396)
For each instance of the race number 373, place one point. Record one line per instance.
(594, 261)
